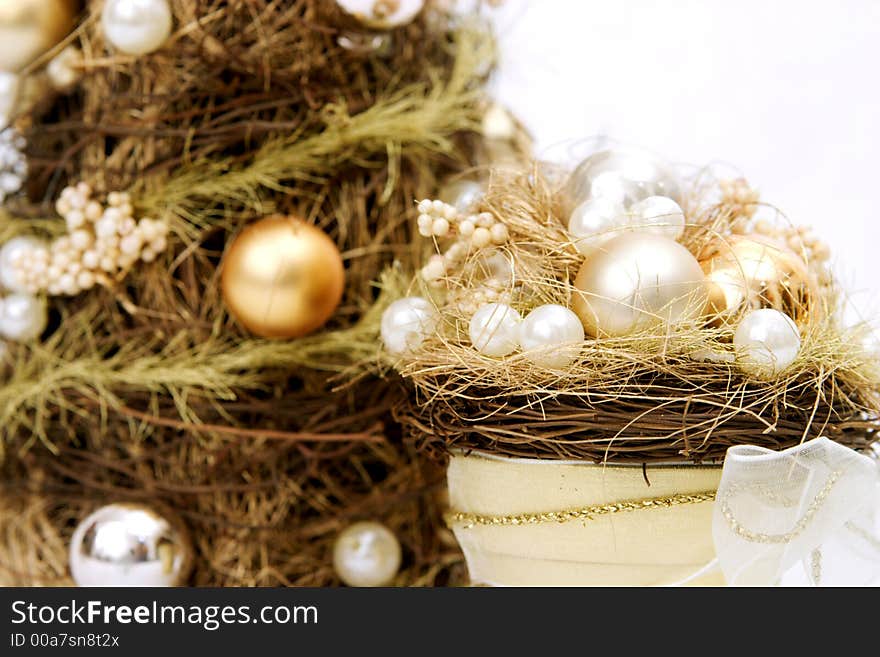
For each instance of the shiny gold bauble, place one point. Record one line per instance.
(638, 281)
(28, 28)
(751, 272)
(282, 278)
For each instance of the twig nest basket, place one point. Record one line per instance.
(717, 327)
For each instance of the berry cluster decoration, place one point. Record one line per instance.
(13, 164)
(472, 232)
(102, 242)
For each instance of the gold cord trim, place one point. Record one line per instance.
(470, 520)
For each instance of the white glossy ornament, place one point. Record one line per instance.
(129, 545)
(638, 281)
(659, 215)
(382, 14)
(367, 554)
(494, 329)
(463, 195)
(137, 27)
(767, 341)
(22, 317)
(9, 86)
(407, 323)
(551, 336)
(10, 253)
(624, 175)
(594, 222)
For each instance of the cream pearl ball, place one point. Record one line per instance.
(22, 317)
(382, 14)
(594, 222)
(407, 323)
(659, 215)
(551, 336)
(638, 281)
(9, 253)
(767, 341)
(367, 554)
(494, 329)
(137, 27)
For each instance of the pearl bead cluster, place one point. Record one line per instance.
(101, 242)
(798, 239)
(740, 197)
(13, 164)
(441, 220)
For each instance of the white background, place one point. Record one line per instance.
(787, 92)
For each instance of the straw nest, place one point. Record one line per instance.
(668, 393)
(146, 389)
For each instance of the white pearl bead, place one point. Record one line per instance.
(16, 249)
(137, 27)
(659, 215)
(767, 341)
(596, 221)
(23, 317)
(367, 554)
(551, 336)
(493, 329)
(407, 323)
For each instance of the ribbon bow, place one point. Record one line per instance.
(809, 514)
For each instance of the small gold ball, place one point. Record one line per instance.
(749, 272)
(28, 28)
(282, 277)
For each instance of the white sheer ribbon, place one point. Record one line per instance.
(805, 515)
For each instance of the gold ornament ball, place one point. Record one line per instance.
(28, 28)
(282, 277)
(751, 272)
(637, 281)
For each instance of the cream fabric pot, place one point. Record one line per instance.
(642, 547)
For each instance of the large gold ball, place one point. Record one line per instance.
(637, 281)
(28, 28)
(747, 273)
(282, 278)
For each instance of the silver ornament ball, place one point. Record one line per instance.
(367, 554)
(625, 176)
(130, 545)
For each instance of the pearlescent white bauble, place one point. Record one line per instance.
(551, 336)
(594, 222)
(9, 252)
(137, 27)
(767, 341)
(367, 554)
(22, 317)
(622, 175)
(494, 329)
(129, 545)
(659, 215)
(638, 281)
(463, 195)
(382, 14)
(9, 86)
(407, 323)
